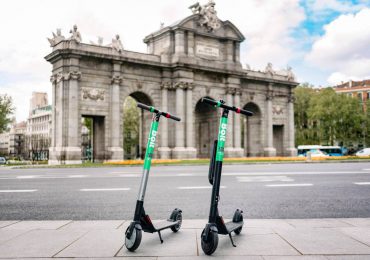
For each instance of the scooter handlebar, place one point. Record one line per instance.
(222, 105)
(154, 110)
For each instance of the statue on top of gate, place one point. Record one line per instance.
(208, 15)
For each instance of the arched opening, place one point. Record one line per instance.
(136, 125)
(252, 131)
(206, 127)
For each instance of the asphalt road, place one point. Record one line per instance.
(319, 190)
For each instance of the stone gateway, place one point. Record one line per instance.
(193, 58)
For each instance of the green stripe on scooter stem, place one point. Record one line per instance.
(150, 146)
(221, 139)
(218, 104)
(151, 109)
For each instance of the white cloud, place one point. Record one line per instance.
(344, 49)
(24, 26)
(320, 6)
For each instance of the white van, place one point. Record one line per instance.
(363, 152)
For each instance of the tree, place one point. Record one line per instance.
(6, 109)
(131, 125)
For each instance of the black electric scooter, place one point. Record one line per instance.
(216, 224)
(142, 221)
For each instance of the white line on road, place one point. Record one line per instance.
(77, 176)
(290, 185)
(185, 174)
(128, 175)
(198, 187)
(107, 189)
(362, 183)
(26, 177)
(16, 191)
(289, 173)
(263, 178)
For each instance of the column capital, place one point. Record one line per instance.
(291, 98)
(75, 75)
(53, 79)
(269, 95)
(184, 85)
(166, 85)
(238, 92)
(230, 91)
(117, 80)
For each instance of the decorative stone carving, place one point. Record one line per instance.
(93, 94)
(277, 110)
(76, 35)
(53, 79)
(183, 85)
(117, 44)
(269, 70)
(238, 92)
(269, 95)
(57, 38)
(290, 76)
(117, 80)
(230, 91)
(208, 15)
(247, 66)
(166, 85)
(139, 84)
(59, 77)
(75, 75)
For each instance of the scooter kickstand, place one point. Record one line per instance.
(160, 237)
(231, 239)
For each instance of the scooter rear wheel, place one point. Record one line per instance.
(238, 217)
(134, 241)
(210, 245)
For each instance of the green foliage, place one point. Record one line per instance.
(131, 125)
(325, 117)
(6, 110)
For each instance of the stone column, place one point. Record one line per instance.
(179, 150)
(229, 145)
(73, 150)
(291, 150)
(179, 43)
(237, 132)
(191, 151)
(164, 150)
(115, 149)
(191, 44)
(269, 149)
(53, 80)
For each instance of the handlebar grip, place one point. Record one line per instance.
(244, 112)
(144, 106)
(209, 101)
(167, 115)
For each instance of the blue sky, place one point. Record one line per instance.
(325, 41)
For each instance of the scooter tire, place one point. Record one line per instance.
(134, 241)
(176, 216)
(238, 217)
(209, 246)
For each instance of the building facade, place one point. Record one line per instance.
(4, 144)
(196, 57)
(17, 140)
(358, 89)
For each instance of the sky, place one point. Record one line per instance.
(324, 41)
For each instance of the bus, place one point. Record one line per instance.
(329, 150)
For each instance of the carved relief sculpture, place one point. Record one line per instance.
(208, 15)
(76, 35)
(277, 110)
(117, 44)
(269, 70)
(93, 94)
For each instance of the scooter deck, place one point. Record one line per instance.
(231, 226)
(165, 224)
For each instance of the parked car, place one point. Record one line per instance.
(363, 152)
(318, 153)
(2, 160)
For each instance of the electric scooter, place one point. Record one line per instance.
(216, 224)
(142, 221)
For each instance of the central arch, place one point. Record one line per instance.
(136, 125)
(206, 128)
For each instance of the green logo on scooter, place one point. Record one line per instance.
(152, 139)
(221, 139)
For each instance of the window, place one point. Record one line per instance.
(359, 95)
(368, 95)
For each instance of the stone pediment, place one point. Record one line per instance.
(226, 31)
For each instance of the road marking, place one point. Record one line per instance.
(77, 176)
(129, 175)
(16, 191)
(185, 174)
(198, 187)
(107, 189)
(362, 183)
(27, 177)
(290, 185)
(264, 178)
(366, 169)
(289, 173)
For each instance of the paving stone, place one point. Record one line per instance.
(194, 223)
(96, 243)
(6, 235)
(250, 244)
(322, 241)
(301, 257)
(7, 223)
(90, 225)
(360, 234)
(30, 225)
(358, 222)
(317, 223)
(39, 243)
(348, 257)
(213, 257)
(267, 223)
(182, 243)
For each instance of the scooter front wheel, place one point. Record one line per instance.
(133, 242)
(176, 216)
(209, 246)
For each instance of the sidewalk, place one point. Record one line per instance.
(260, 239)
